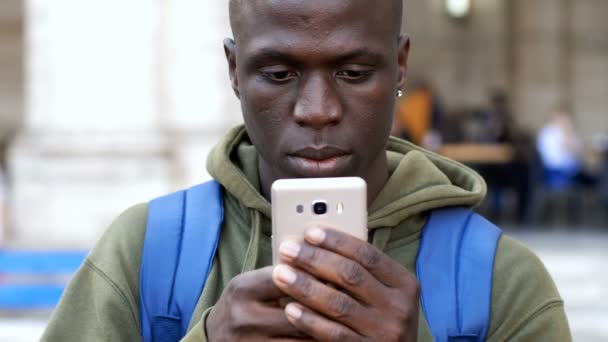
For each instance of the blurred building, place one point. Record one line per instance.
(545, 53)
(116, 102)
(123, 100)
(11, 72)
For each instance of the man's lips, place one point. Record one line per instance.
(320, 153)
(323, 161)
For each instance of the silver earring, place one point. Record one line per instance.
(399, 93)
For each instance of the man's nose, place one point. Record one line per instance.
(318, 104)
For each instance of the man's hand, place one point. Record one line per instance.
(345, 289)
(248, 310)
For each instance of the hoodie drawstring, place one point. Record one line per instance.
(381, 237)
(252, 254)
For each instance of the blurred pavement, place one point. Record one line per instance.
(22, 327)
(577, 261)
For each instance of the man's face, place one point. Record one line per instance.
(317, 81)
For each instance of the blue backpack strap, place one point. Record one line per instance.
(182, 235)
(455, 265)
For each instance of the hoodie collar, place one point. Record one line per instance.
(419, 180)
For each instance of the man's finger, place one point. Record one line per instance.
(271, 321)
(326, 300)
(317, 326)
(381, 266)
(256, 284)
(328, 266)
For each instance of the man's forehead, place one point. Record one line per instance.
(291, 7)
(272, 52)
(256, 15)
(309, 8)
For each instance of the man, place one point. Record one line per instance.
(560, 151)
(317, 81)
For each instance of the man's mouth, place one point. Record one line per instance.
(319, 153)
(320, 161)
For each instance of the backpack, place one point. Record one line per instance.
(454, 265)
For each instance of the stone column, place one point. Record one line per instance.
(465, 58)
(200, 105)
(560, 60)
(11, 89)
(589, 71)
(11, 69)
(122, 97)
(539, 63)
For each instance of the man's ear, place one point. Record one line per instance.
(404, 51)
(230, 51)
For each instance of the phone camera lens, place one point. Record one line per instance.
(319, 208)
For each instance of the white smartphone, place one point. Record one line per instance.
(299, 204)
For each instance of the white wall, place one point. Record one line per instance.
(124, 100)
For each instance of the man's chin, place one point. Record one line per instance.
(339, 166)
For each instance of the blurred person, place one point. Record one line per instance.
(318, 82)
(560, 149)
(498, 126)
(561, 167)
(419, 115)
(495, 124)
(452, 127)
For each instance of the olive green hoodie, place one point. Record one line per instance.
(102, 301)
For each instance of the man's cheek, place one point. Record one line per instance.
(256, 86)
(268, 103)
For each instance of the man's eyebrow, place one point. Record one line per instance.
(268, 53)
(361, 52)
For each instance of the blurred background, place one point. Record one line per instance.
(107, 103)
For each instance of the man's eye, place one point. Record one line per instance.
(279, 76)
(353, 74)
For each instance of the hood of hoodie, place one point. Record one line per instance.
(419, 180)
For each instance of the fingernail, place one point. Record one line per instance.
(316, 235)
(293, 311)
(285, 274)
(290, 249)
